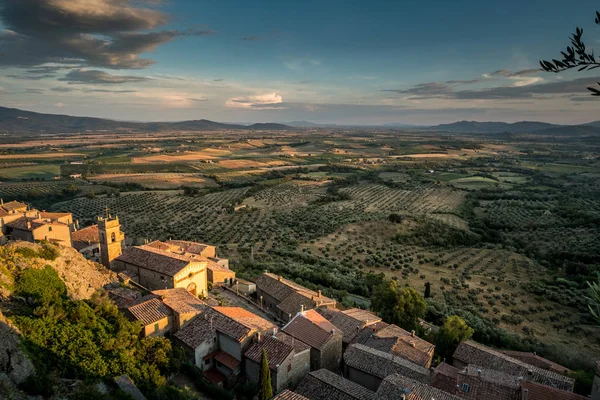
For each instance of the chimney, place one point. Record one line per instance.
(525, 394)
(319, 292)
(28, 224)
(279, 278)
(258, 336)
(412, 333)
(302, 308)
(478, 372)
(412, 344)
(1, 202)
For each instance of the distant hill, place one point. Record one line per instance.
(15, 121)
(571, 130)
(492, 127)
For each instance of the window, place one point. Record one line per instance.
(465, 387)
(113, 237)
(289, 367)
(207, 361)
(49, 229)
(156, 327)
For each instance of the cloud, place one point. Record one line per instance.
(99, 77)
(262, 101)
(218, 80)
(59, 105)
(197, 99)
(523, 88)
(34, 91)
(100, 33)
(509, 74)
(31, 77)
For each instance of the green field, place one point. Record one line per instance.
(44, 171)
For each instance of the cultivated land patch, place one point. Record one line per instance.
(42, 171)
(157, 181)
(31, 156)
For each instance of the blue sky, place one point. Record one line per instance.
(353, 62)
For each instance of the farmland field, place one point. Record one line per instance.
(506, 238)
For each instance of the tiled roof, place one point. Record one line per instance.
(154, 259)
(289, 395)
(326, 385)
(534, 359)
(381, 364)
(535, 391)
(298, 345)
(234, 322)
(227, 360)
(394, 339)
(199, 329)
(470, 352)
(34, 223)
(365, 333)
(395, 385)
(123, 297)
(277, 351)
(180, 300)
(246, 318)
(445, 377)
(281, 288)
(294, 303)
(45, 214)
(82, 238)
(489, 375)
(311, 328)
(189, 247)
(213, 266)
(150, 311)
(350, 322)
(13, 205)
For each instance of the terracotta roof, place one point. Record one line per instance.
(180, 300)
(365, 333)
(289, 395)
(298, 345)
(45, 214)
(535, 391)
(161, 261)
(394, 386)
(123, 297)
(489, 375)
(227, 360)
(445, 378)
(280, 288)
(381, 364)
(311, 328)
(394, 339)
(213, 266)
(234, 322)
(34, 223)
(534, 359)
(277, 351)
(294, 303)
(470, 352)
(199, 329)
(347, 321)
(13, 205)
(189, 247)
(150, 311)
(82, 238)
(246, 318)
(326, 385)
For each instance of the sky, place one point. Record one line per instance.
(326, 61)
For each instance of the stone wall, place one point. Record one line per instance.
(331, 353)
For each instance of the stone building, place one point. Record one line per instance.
(473, 353)
(87, 242)
(51, 227)
(182, 304)
(219, 274)
(217, 338)
(156, 318)
(326, 385)
(350, 321)
(396, 341)
(369, 367)
(396, 387)
(537, 361)
(285, 298)
(160, 265)
(111, 239)
(289, 361)
(324, 339)
(289, 395)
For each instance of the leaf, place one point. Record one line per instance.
(582, 68)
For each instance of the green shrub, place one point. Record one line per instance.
(43, 286)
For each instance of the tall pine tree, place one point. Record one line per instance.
(266, 390)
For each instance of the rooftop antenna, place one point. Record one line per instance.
(107, 210)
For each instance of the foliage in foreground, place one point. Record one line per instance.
(454, 331)
(85, 339)
(400, 306)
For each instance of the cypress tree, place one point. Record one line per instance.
(427, 290)
(266, 390)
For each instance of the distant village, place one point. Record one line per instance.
(315, 347)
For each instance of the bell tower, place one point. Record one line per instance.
(111, 238)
